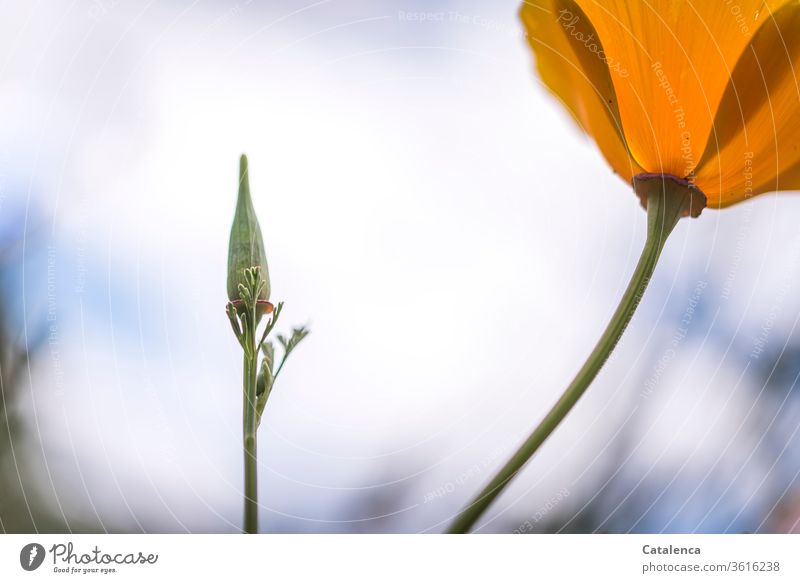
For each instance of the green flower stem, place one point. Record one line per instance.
(249, 437)
(667, 200)
(248, 301)
(249, 423)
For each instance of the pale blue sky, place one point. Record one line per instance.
(454, 242)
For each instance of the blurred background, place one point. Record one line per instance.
(453, 241)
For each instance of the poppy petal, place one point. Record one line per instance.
(570, 61)
(680, 56)
(755, 147)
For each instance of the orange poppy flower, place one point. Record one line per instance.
(706, 92)
(696, 103)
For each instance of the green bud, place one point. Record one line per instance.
(246, 247)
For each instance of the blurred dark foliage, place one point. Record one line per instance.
(21, 507)
(634, 499)
(28, 500)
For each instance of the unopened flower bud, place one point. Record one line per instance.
(246, 247)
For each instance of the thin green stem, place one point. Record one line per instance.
(249, 426)
(667, 199)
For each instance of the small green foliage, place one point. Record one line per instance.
(265, 379)
(289, 344)
(265, 374)
(271, 324)
(230, 310)
(297, 335)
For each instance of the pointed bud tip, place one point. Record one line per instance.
(244, 179)
(246, 246)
